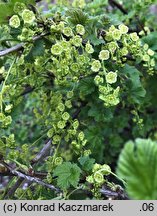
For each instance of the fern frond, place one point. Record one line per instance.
(137, 165)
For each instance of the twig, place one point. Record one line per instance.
(43, 152)
(35, 174)
(119, 6)
(29, 178)
(118, 194)
(19, 46)
(40, 156)
(27, 90)
(13, 188)
(77, 112)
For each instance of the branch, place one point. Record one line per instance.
(119, 6)
(29, 178)
(19, 46)
(43, 152)
(39, 156)
(13, 188)
(118, 195)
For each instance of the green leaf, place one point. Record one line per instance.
(36, 50)
(138, 166)
(100, 113)
(77, 16)
(95, 40)
(86, 86)
(68, 175)
(2, 148)
(151, 40)
(86, 162)
(135, 89)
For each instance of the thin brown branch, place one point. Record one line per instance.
(19, 46)
(29, 178)
(13, 188)
(43, 152)
(119, 6)
(118, 195)
(39, 156)
(35, 174)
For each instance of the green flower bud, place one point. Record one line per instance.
(105, 170)
(80, 29)
(134, 36)
(89, 49)
(84, 142)
(68, 104)
(67, 31)
(87, 152)
(65, 116)
(75, 67)
(56, 139)
(146, 58)
(75, 124)
(116, 34)
(50, 132)
(2, 70)
(96, 65)
(90, 179)
(28, 16)
(112, 46)
(2, 117)
(65, 45)
(77, 41)
(152, 62)
(7, 121)
(150, 52)
(98, 177)
(112, 28)
(56, 49)
(70, 94)
(49, 178)
(58, 161)
(61, 107)
(104, 55)
(74, 143)
(53, 28)
(123, 28)
(98, 80)
(8, 108)
(111, 77)
(81, 136)
(61, 124)
(124, 51)
(60, 26)
(146, 46)
(14, 21)
(19, 7)
(96, 167)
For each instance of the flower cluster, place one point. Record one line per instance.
(98, 172)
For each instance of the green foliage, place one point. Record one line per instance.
(137, 165)
(67, 175)
(86, 163)
(136, 91)
(77, 81)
